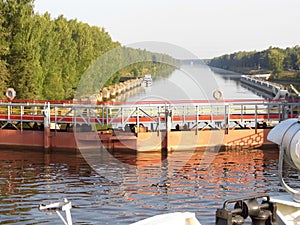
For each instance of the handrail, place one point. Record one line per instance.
(213, 113)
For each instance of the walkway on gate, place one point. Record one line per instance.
(153, 115)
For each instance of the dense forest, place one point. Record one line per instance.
(44, 58)
(279, 62)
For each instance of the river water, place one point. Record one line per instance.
(145, 184)
(29, 178)
(196, 82)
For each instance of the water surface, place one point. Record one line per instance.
(154, 186)
(196, 82)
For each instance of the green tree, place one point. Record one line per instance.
(135, 72)
(4, 49)
(45, 59)
(276, 59)
(51, 60)
(23, 57)
(68, 54)
(82, 36)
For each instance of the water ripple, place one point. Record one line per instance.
(27, 180)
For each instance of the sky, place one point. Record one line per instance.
(207, 28)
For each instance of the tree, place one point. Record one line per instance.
(4, 49)
(276, 59)
(52, 84)
(68, 53)
(43, 58)
(23, 57)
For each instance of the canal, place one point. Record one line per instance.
(195, 82)
(133, 187)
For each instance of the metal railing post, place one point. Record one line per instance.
(158, 122)
(197, 119)
(256, 118)
(122, 117)
(106, 115)
(137, 120)
(8, 111)
(226, 113)
(22, 112)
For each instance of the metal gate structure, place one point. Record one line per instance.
(229, 114)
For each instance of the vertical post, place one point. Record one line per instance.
(169, 120)
(284, 111)
(122, 117)
(67, 209)
(46, 114)
(88, 113)
(197, 121)
(9, 111)
(279, 112)
(256, 118)
(226, 122)
(55, 117)
(137, 120)
(158, 120)
(74, 119)
(103, 119)
(22, 112)
(165, 142)
(242, 113)
(228, 118)
(184, 114)
(290, 106)
(107, 115)
(268, 111)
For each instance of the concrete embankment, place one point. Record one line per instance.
(114, 90)
(260, 83)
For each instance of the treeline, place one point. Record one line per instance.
(274, 60)
(123, 61)
(45, 58)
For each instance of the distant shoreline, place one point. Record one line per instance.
(286, 80)
(223, 71)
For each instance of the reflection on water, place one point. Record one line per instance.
(196, 82)
(29, 178)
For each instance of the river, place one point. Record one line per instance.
(29, 178)
(197, 82)
(146, 184)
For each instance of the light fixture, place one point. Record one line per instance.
(287, 135)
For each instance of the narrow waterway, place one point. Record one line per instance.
(194, 82)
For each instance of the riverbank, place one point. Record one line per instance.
(285, 78)
(224, 72)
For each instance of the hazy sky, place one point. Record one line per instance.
(207, 28)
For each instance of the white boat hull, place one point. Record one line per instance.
(288, 211)
(178, 218)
